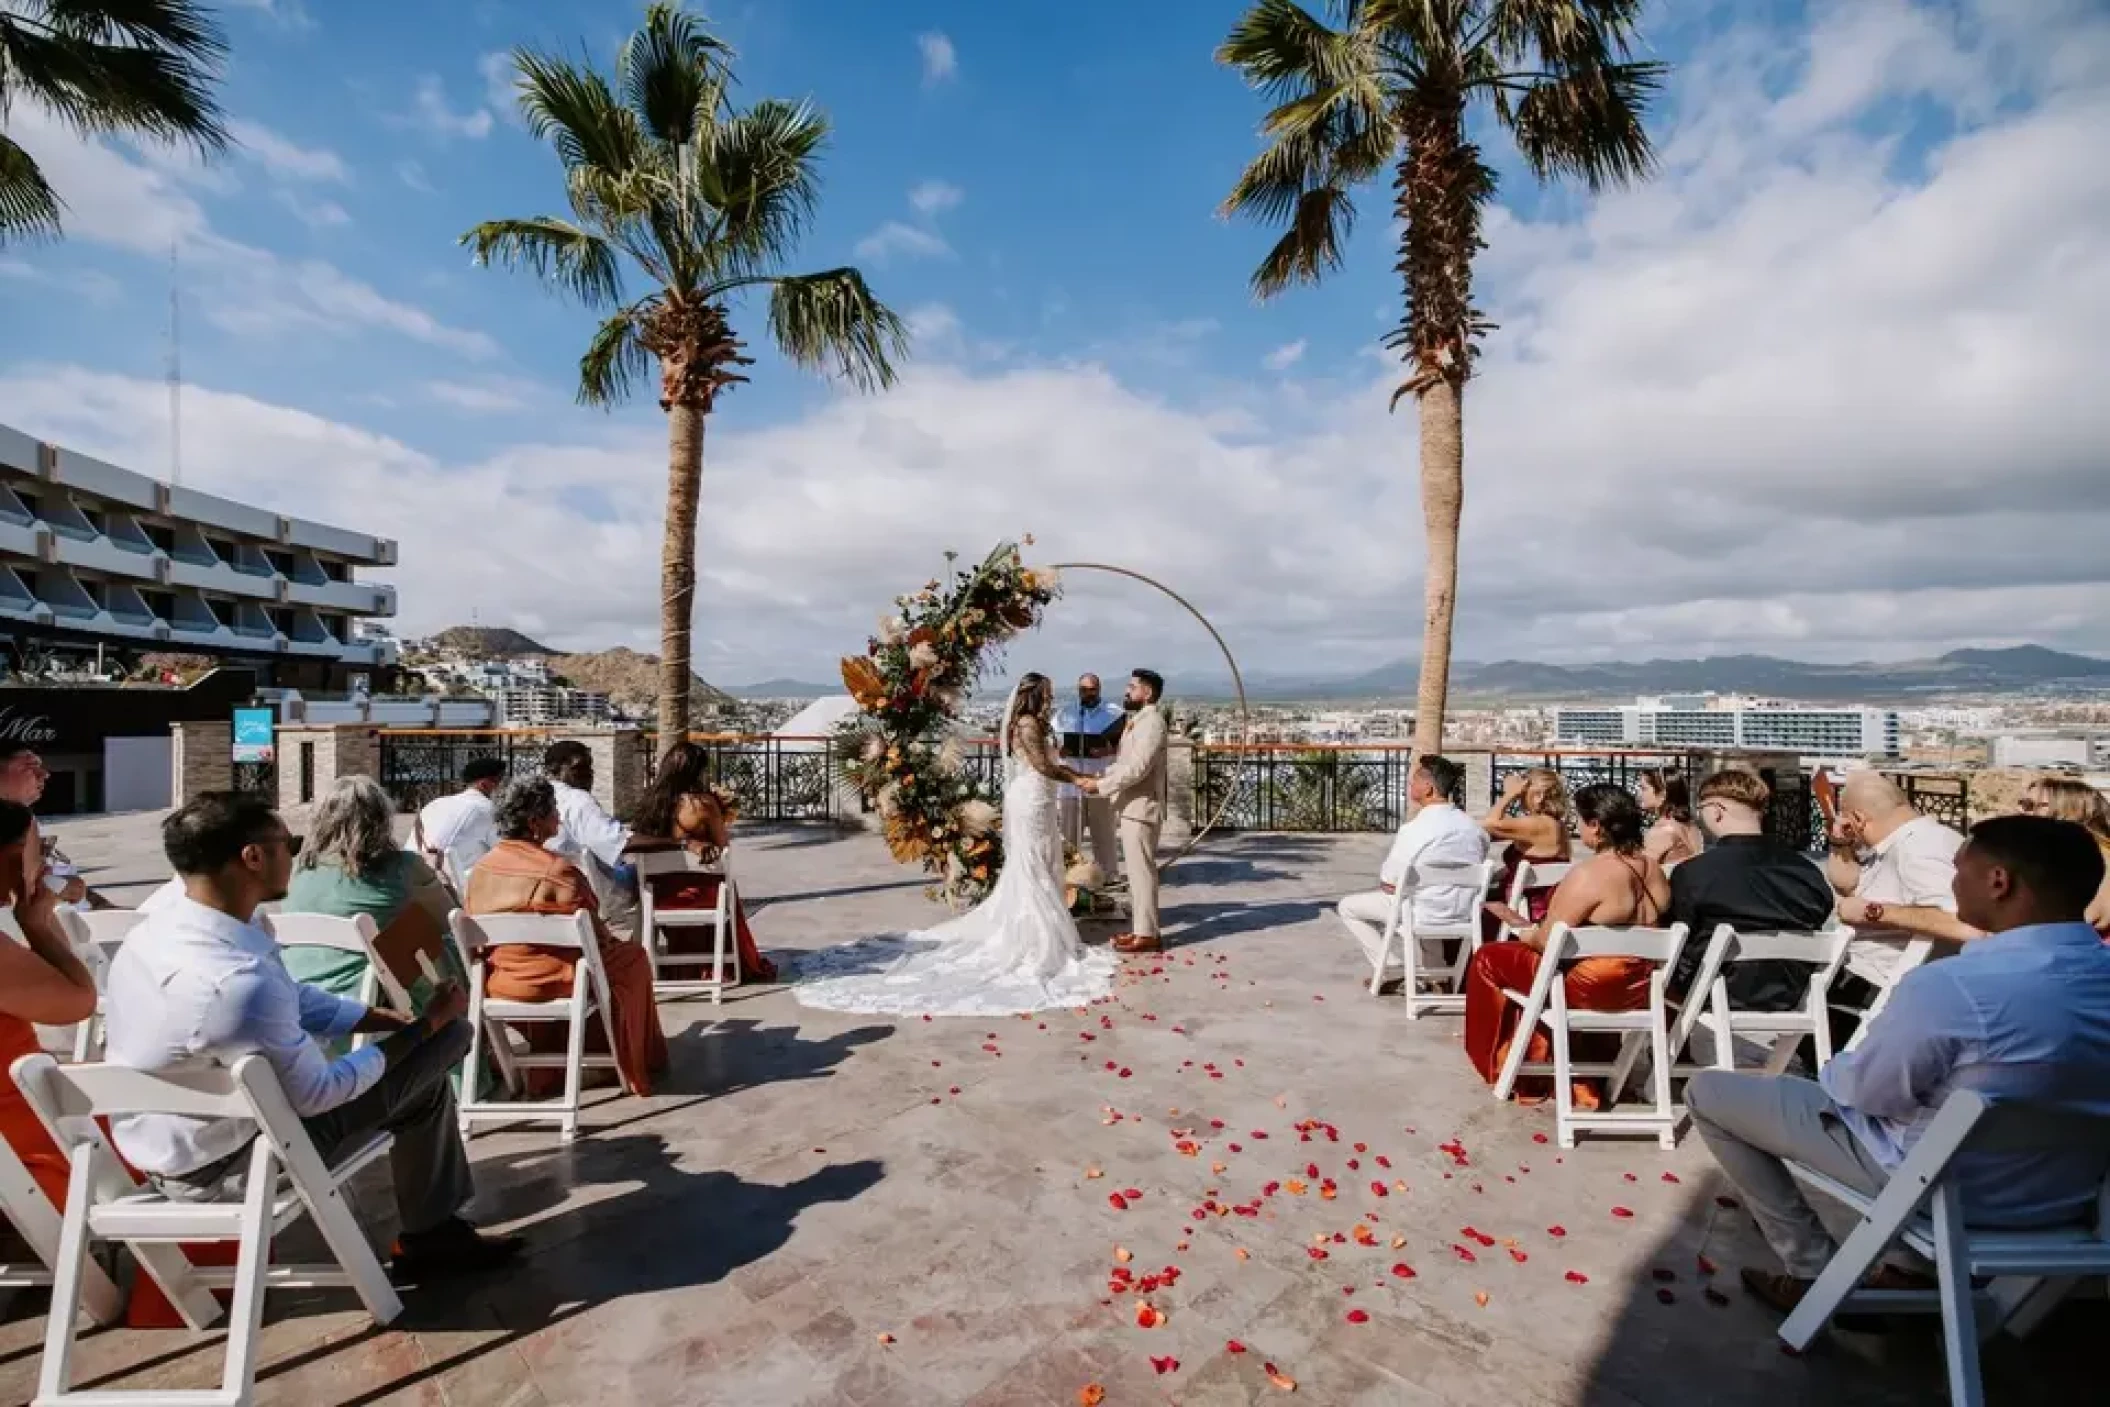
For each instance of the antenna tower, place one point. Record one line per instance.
(175, 367)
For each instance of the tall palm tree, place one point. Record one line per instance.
(1389, 85)
(142, 67)
(708, 203)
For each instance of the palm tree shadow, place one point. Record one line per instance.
(1217, 921)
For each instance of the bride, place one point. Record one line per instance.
(1019, 949)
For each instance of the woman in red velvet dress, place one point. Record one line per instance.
(685, 810)
(1531, 816)
(41, 984)
(1618, 886)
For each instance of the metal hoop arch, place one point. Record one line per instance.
(1245, 717)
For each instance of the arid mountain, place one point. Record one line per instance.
(630, 680)
(487, 642)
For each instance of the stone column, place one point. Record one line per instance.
(201, 759)
(311, 759)
(619, 765)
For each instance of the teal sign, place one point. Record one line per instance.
(255, 730)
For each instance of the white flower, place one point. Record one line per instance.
(874, 748)
(923, 656)
(892, 630)
(976, 818)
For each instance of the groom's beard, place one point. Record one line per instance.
(1131, 705)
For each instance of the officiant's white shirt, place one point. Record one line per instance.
(1440, 835)
(1075, 718)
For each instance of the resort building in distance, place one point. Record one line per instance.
(1692, 720)
(94, 556)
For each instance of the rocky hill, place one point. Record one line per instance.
(487, 642)
(630, 679)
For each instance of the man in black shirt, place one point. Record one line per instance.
(1754, 884)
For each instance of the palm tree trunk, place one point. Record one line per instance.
(1442, 503)
(677, 569)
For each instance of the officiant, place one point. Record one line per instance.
(1089, 732)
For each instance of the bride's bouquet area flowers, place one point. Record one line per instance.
(903, 751)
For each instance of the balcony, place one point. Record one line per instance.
(844, 1210)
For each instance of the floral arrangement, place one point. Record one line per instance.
(910, 683)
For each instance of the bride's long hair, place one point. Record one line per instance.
(1033, 697)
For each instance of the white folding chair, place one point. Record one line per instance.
(1922, 1207)
(96, 936)
(589, 999)
(1916, 953)
(719, 920)
(287, 1179)
(344, 935)
(1546, 1004)
(1707, 1000)
(1401, 928)
(30, 1212)
(1530, 875)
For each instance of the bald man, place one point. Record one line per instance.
(1894, 869)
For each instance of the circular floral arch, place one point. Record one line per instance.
(902, 752)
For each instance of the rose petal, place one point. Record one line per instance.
(885, 1339)
(1165, 1365)
(1622, 1213)
(1666, 1297)
(1123, 1254)
(1729, 1204)
(1403, 1271)
(1518, 1256)
(1463, 1254)
(1707, 1267)
(1556, 1231)
(1671, 1178)
(1233, 1346)
(1576, 1277)
(1131, 1194)
(1091, 1394)
(1480, 1298)
(1715, 1297)
(1281, 1380)
(1356, 1316)
(1663, 1276)
(1118, 1202)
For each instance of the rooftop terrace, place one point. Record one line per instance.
(806, 1183)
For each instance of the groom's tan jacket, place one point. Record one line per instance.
(1136, 783)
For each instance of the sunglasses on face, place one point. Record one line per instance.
(2029, 807)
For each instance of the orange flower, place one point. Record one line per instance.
(864, 682)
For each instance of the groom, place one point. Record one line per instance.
(1135, 785)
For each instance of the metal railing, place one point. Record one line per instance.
(776, 778)
(418, 765)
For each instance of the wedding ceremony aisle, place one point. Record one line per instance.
(1240, 1173)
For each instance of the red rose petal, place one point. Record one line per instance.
(1118, 1202)
(1383, 1161)
(1463, 1254)
(1671, 1178)
(1715, 1297)
(1518, 1256)
(1576, 1277)
(1315, 1253)
(1707, 1267)
(1403, 1271)
(1556, 1231)
(1130, 1193)
(1538, 1138)
(1165, 1365)
(1357, 1316)
(1233, 1346)
(1622, 1213)
(1666, 1297)
(1663, 1276)
(1378, 1189)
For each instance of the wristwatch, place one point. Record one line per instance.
(1872, 912)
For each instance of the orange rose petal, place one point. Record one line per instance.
(1480, 1298)
(1091, 1174)
(1398, 1241)
(1090, 1395)
(1123, 1254)
(885, 1339)
(1281, 1380)
(1242, 1253)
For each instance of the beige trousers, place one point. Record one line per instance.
(1139, 851)
(1078, 814)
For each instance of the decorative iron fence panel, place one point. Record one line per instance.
(257, 779)
(417, 767)
(775, 779)
(1301, 790)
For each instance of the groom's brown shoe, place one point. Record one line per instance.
(1137, 943)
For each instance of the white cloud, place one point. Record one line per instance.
(88, 284)
(412, 174)
(430, 112)
(940, 60)
(288, 14)
(285, 159)
(501, 77)
(895, 240)
(1285, 356)
(490, 395)
(315, 214)
(935, 198)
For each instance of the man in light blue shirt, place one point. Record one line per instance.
(197, 980)
(2021, 1015)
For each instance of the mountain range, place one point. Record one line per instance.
(2017, 669)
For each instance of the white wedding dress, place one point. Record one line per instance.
(1016, 951)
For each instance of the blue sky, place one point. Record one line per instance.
(1036, 189)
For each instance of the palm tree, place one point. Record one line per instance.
(708, 203)
(135, 66)
(1388, 85)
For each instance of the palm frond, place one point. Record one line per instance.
(832, 322)
(1286, 51)
(29, 208)
(674, 73)
(758, 172)
(1589, 124)
(1561, 34)
(579, 262)
(140, 66)
(1311, 247)
(615, 360)
(575, 111)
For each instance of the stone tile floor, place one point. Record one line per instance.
(807, 1184)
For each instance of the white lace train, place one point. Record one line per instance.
(1016, 951)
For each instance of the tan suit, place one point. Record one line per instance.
(1135, 785)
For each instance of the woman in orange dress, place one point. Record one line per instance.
(1619, 885)
(521, 877)
(41, 984)
(1531, 816)
(684, 810)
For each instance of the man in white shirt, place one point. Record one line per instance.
(1091, 717)
(1437, 835)
(589, 837)
(454, 832)
(195, 982)
(1894, 869)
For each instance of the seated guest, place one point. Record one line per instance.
(2064, 799)
(685, 810)
(196, 979)
(588, 836)
(524, 876)
(454, 832)
(1618, 886)
(2023, 1014)
(41, 984)
(1753, 883)
(1531, 816)
(1892, 868)
(22, 778)
(351, 866)
(1438, 834)
(1673, 839)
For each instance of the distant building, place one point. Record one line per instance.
(2014, 750)
(92, 555)
(1652, 722)
(538, 705)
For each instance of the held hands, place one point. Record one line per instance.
(1088, 785)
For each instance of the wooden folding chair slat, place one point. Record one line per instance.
(1401, 929)
(719, 920)
(1707, 1004)
(589, 999)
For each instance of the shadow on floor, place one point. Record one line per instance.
(1187, 925)
(848, 891)
(1670, 1336)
